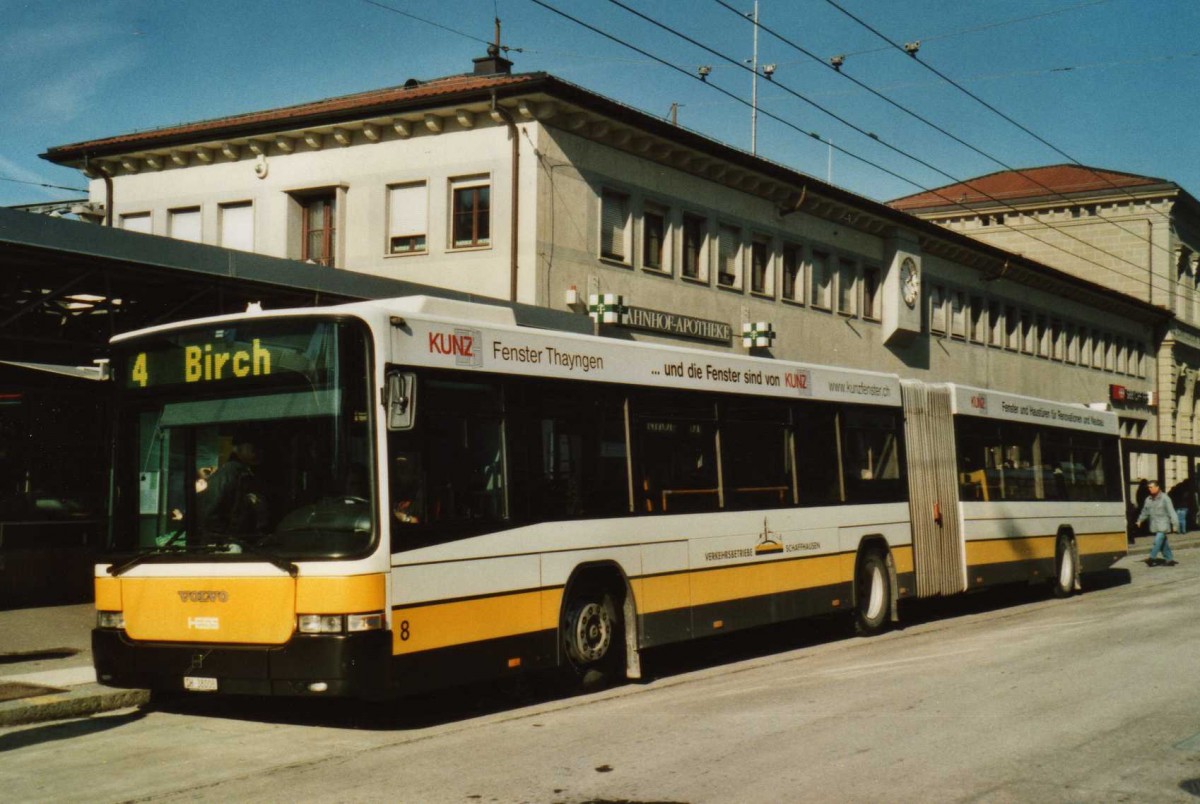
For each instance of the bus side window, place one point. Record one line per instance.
(756, 455)
(817, 460)
(676, 458)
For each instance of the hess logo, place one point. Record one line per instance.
(979, 402)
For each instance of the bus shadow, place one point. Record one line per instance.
(459, 704)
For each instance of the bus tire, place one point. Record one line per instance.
(1066, 567)
(872, 594)
(593, 638)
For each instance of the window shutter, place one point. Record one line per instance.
(407, 210)
(614, 215)
(185, 224)
(237, 227)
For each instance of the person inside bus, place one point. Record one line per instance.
(233, 504)
(1158, 511)
(407, 494)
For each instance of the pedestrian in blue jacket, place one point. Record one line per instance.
(1160, 513)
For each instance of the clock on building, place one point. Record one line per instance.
(910, 281)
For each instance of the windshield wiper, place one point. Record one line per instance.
(249, 549)
(125, 566)
(230, 547)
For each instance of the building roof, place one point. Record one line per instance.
(789, 188)
(413, 93)
(1030, 184)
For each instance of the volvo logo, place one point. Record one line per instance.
(188, 596)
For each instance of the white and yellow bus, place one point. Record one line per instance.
(381, 497)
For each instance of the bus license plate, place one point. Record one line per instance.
(199, 684)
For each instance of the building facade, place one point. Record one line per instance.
(1135, 234)
(527, 188)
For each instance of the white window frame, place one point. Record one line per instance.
(182, 219)
(223, 229)
(408, 218)
(616, 241)
(730, 253)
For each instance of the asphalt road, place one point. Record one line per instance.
(996, 698)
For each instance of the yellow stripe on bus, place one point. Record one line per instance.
(1000, 551)
(108, 594)
(439, 625)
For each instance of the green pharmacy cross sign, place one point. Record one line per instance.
(607, 308)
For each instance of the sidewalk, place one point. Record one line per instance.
(46, 661)
(46, 667)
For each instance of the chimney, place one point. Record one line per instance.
(493, 63)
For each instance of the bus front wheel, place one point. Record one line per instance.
(873, 595)
(592, 638)
(1066, 567)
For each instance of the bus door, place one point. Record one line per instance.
(933, 489)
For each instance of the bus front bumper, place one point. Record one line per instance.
(354, 666)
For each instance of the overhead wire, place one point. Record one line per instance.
(446, 28)
(895, 149)
(42, 184)
(985, 27)
(906, 110)
(915, 57)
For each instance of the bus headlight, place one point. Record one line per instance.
(339, 623)
(320, 623)
(364, 622)
(110, 619)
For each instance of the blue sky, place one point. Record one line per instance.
(1110, 83)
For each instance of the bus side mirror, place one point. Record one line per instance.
(401, 400)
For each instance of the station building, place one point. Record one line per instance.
(1139, 235)
(527, 190)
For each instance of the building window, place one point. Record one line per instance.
(958, 315)
(1139, 361)
(793, 279)
(1028, 333)
(847, 287)
(1012, 329)
(1110, 353)
(978, 317)
(235, 223)
(1085, 347)
(654, 238)
(870, 284)
(996, 325)
(408, 218)
(1043, 337)
(937, 309)
(1122, 348)
(1072, 338)
(614, 226)
(319, 236)
(184, 224)
(1057, 347)
(760, 266)
(1099, 347)
(136, 222)
(729, 246)
(695, 232)
(821, 291)
(472, 212)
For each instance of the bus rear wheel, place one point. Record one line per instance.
(873, 595)
(1066, 568)
(592, 638)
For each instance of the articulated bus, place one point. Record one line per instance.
(382, 497)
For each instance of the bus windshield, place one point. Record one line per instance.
(251, 437)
